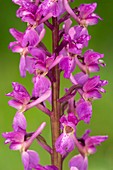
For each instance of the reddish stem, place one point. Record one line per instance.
(56, 158)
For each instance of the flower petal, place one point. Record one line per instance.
(80, 162)
(84, 110)
(19, 123)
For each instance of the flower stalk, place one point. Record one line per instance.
(56, 111)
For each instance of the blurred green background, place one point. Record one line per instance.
(102, 120)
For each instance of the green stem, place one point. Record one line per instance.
(56, 158)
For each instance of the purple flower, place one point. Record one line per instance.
(70, 11)
(18, 141)
(65, 142)
(30, 38)
(23, 40)
(79, 78)
(48, 63)
(16, 138)
(27, 12)
(20, 96)
(41, 85)
(36, 63)
(86, 15)
(54, 7)
(84, 110)
(92, 60)
(30, 159)
(38, 12)
(67, 64)
(32, 13)
(77, 39)
(88, 145)
(78, 162)
(91, 142)
(93, 88)
(40, 63)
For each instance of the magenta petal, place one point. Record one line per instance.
(95, 140)
(55, 9)
(65, 143)
(41, 66)
(68, 65)
(87, 9)
(39, 28)
(41, 85)
(13, 137)
(15, 47)
(15, 104)
(21, 12)
(30, 64)
(92, 20)
(91, 83)
(41, 99)
(19, 122)
(29, 6)
(80, 162)
(103, 82)
(84, 110)
(33, 158)
(86, 134)
(91, 149)
(30, 159)
(16, 34)
(22, 66)
(29, 18)
(25, 160)
(92, 57)
(42, 34)
(52, 7)
(37, 53)
(19, 93)
(67, 25)
(93, 68)
(81, 78)
(29, 40)
(94, 94)
(55, 61)
(14, 43)
(69, 120)
(15, 146)
(69, 10)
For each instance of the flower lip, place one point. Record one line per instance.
(69, 129)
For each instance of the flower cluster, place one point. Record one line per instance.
(67, 55)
